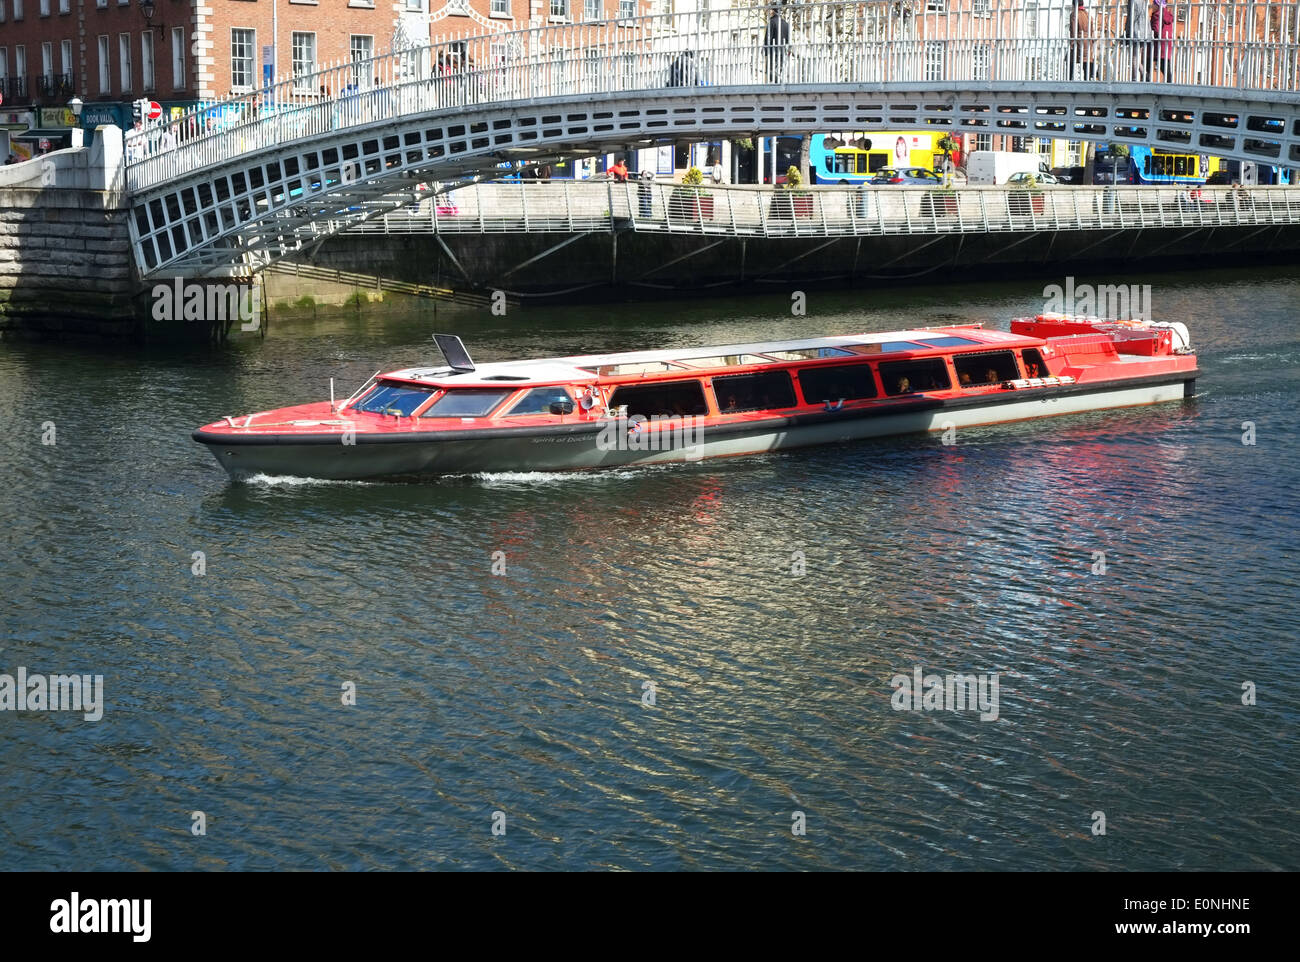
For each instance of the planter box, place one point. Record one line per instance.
(689, 206)
(939, 203)
(802, 204)
(1025, 202)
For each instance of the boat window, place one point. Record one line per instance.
(754, 392)
(673, 398)
(393, 399)
(948, 341)
(1034, 365)
(885, 347)
(725, 360)
(809, 354)
(848, 382)
(538, 401)
(989, 367)
(908, 377)
(467, 403)
(632, 367)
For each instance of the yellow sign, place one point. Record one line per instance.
(58, 117)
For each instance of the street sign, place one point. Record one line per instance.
(155, 110)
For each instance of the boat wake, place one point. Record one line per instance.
(293, 481)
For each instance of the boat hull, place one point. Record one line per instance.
(586, 445)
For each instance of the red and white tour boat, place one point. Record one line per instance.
(644, 407)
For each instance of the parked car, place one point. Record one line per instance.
(1068, 175)
(1022, 179)
(907, 176)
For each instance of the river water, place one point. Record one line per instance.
(675, 662)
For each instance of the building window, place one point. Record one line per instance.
(2, 11)
(982, 8)
(124, 60)
(20, 63)
(105, 66)
(627, 10)
(304, 60)
(458, 8)
(18, 11)
(934, 6)
(65, 58)
(980, 62)
(47, 61)
(500, 8)
(933, 61)
(591, 10)
(415, 6)
(362, 48)
(4, 63)
(45, 8)
(559, 9)
(101, 4)
(241, 57)
(64, 6)
(1031, 18)
(146, 60)
(178, 58)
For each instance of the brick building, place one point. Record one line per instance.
(109, 53)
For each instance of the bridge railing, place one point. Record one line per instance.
(581, 206)
(938, 43)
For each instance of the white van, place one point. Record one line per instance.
(995, 166)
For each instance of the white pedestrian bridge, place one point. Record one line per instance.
(233, 186)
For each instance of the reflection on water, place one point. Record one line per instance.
(767, 601)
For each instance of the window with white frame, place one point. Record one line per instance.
(47, 60)
(242, 40)
(178, 58)
(982, 8)
(935, 6)
(105, 66)
(65, 6)
(933, 61)
(146, 60)
(980, 62)
(415, 6)
(101, 4)
(304, 59)
(361, 47)
(4, 63)
(1031, 18)
(3, 8)
(20, 62)
(65, 57)
(124, 60)
(591, 10)
(500, 8)
(983, 141)
(45, 8)
(559, 9)
(18, 11)
(458, 7)
(626, 9)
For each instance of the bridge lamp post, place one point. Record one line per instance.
(77, 136)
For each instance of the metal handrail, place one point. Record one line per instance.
(1229, 47)
(579, 206)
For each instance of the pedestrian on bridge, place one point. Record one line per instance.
(1162, 25)
(1140, 37)
(1081, 43)
(776, 44)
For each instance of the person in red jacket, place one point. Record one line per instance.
(1162, 26)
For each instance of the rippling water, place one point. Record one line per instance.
(522, 692)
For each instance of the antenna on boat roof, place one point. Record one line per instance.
(454, 352)
(333, 409)
(360, 389)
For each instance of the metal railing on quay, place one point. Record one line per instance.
(601, 205)
(960, 44)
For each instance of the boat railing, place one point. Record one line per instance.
(582, 206)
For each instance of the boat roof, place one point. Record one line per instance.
(687, 361)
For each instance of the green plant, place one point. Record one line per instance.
(693, 178)
(793, 179)
(745, 143)
(947, 144)
(1118, 150)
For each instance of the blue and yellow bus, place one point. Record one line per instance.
(854, 158)
(1166, 167)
